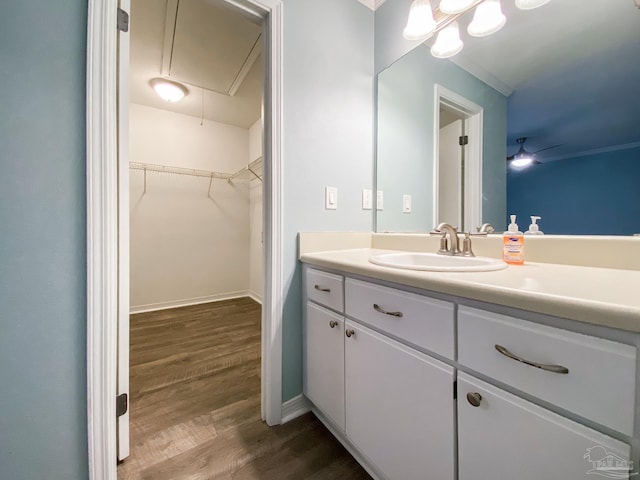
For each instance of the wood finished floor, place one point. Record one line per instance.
(195, 404)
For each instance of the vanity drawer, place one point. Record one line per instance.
(325, 288)
(600, 381)
(419, 320)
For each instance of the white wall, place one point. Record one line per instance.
(256, 254)
(185, 246)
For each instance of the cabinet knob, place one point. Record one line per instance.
(474, 398)
(349, 333)
(333, 323)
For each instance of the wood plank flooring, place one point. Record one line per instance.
(195, 404)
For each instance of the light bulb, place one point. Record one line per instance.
(168, 90)
(487, 19)
(530, 4)
(521, 162)
(452, 7)
(448, 42)
(420, 23)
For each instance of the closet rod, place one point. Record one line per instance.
(150, 167)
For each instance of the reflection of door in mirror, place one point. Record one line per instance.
(450, 168)
(458, 165)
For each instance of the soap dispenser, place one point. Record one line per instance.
(513, 244)
(534, 228)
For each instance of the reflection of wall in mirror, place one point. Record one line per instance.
(597, 194)
(406, 130)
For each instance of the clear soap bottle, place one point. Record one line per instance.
(513, 244)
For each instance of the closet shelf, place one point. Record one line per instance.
(254, 169)
(150, 167)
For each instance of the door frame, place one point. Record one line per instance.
(473, 153)
(102, 226)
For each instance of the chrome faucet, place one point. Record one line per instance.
(486, 228)
(453, 246)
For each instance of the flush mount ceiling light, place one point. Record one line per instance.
(421, 23)
(169, 90)
(487, 19)
(448, 42)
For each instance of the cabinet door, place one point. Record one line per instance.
(399, 407)
(324, 362)
(506, 437)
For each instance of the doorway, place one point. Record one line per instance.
(458, 167)
(102, 245)
(194, 155)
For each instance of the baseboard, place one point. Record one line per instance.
(152, 307)
(255, 297)
(294, 408)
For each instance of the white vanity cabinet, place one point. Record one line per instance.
(324, 362)
(502, 436)
(399, 406)
(421, 388)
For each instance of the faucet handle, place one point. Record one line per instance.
(466, 246)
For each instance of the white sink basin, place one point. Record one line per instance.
(437, 263)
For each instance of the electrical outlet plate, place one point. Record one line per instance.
(379, 200)
(331, 198)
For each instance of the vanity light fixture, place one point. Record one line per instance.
(448, 42)
(530, 4)
(169, 90)
(487, 19)
(421, 23)
(451, 7)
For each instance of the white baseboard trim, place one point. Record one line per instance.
(294, 408)
(254, 296)
(152, 307)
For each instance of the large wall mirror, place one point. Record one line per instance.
(562, 81)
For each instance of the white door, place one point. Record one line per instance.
(324, 362)
(506, 437)
(123, 233)
(450, 175)
(399, 407)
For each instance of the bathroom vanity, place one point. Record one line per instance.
(527, 374)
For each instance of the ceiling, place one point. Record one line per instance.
(204, 44)
(571, 71)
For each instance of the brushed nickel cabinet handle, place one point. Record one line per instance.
(474, 398)
(542, 366)
(378, 308)
(333, 323)
(349, 333)
(322, 289)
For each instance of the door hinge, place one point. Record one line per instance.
(463, 140)
(122, 404)
(455, 389)
(123, 20)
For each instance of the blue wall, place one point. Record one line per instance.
(405, 155)
(594, 194)
(328, 140)
(42, 241)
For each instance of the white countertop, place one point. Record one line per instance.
(601, 296)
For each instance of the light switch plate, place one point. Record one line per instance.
(367, 199)
(406, 203)
(380, 200)
(331, 198)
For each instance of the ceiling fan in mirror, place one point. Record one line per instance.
(523, 158)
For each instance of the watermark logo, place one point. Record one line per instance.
(607, 464)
